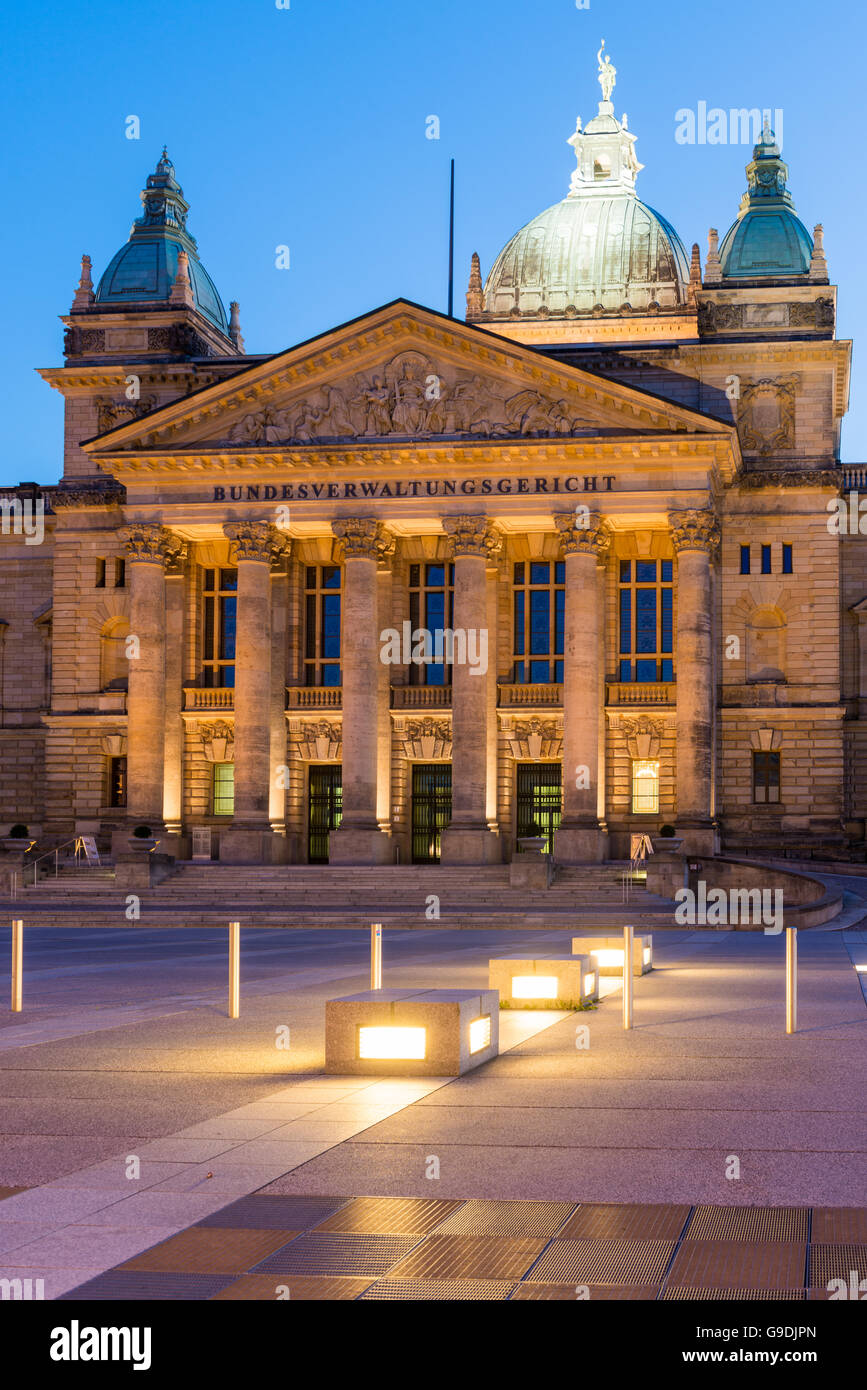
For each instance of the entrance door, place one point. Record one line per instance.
(325, 809)
(539, 801)
(431, 809)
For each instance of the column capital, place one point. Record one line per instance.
(694, 528)
(150, 544)
(363, 537)
(256, 540)
(587, 533)
(471, 535)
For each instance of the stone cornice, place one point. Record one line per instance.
(694, 528)
(790, 477)
(471, 535)
(584, 533)
(363, 538)
(105, 492)
(256, 540)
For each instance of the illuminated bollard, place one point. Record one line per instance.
(17, 963)
(628, 984)
(376, 955)
(791, 979)
(234, 969)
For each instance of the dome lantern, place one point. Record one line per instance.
(767, 241)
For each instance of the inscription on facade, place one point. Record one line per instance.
(412, 487)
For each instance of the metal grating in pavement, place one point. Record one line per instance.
(274, 1213)
(840, 1225)
(627, 1221)
(120, 1285)
(748, 1223)
(732, 1264)
(603, 1262)
(468, 1257)
(410, 1216)
(209, 1250)
(624, 1293)
(334, 1253)
(784, 1295)
(299, 1288)
(836, 1262)
(539, 1220)
(439, 1290)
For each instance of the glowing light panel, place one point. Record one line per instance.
(379, 1043)
(480, 1033)
(589, 983)
(534, 986)
(647, 955)
(608, 956)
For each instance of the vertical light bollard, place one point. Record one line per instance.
(376, 955)
(791, 979)
(17, 963)
(628, 985)
(234, 969)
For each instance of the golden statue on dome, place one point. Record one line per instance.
(607, 74)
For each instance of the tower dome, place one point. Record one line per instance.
(601, 248)
(768, 240)
(145, 268)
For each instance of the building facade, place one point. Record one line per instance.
(420, 588)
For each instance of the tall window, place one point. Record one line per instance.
(431, 605)
(766, 777)
(646, 624)
(224, 789)
(117, 782)
(645, 787)
(539, 605)
(219, 617)
(322, 602)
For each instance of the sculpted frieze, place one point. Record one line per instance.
(410, 398)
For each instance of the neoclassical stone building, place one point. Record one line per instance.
(611, 484)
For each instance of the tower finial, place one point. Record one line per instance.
(694, 276)
(182, 290)
(475, 290)
(818, 264)
(712, 266)
(235, 325)
(84, 294)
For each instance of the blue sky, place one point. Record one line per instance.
(306, 127)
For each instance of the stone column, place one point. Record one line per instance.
(176, 576)
(581, 837)
(364, 544)
(148, 549)
(249, 838)
(695, 534)
(469, 839)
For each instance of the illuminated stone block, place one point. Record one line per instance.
(607, 952)
(555, 983)
(411, 1032)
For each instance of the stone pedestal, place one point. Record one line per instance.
(365, 544)
(468, 839)
(695, 534)
(447, 1031)
(581, 837)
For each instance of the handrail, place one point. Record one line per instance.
(76, 840)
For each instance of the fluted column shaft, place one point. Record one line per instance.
(585, 539)
(148, 548)
(695, 534)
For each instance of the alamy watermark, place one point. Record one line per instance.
(444, 646)
(721, 907)
(738, 126)
(23, 516)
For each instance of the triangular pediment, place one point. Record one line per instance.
(400, 373)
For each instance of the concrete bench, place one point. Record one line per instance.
(607, 952)
(411, 1032)
(554, 983)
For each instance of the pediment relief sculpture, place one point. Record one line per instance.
(411, 398)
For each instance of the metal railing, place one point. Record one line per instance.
(33, 864)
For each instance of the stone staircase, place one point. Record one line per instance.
(331, 897)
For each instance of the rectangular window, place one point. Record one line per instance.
(645, 787)
(219, 618)
(766, 778)
(224, 789)
(322, 618)
(431, 607)
(787, 559)
(120, 574)
(646, 612)
(745, 559)
(766, 559)
(117, 782)
(539, 621)
(100, 575)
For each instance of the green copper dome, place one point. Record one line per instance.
(601, 248)
(768, 240)
(145, 268)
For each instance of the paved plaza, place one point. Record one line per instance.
(153, 1147)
